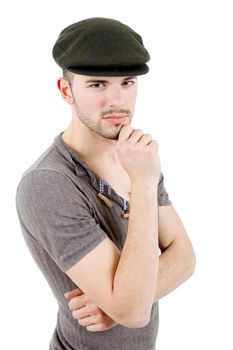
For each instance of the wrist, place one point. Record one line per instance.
(145, 189)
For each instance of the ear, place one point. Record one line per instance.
(65, 90)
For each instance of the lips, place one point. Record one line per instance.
(115, 116)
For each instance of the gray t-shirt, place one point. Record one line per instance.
(62, 218)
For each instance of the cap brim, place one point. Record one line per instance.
(114, 71)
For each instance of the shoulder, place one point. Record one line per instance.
(42, 178)
(49, 189)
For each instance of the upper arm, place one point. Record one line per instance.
(170, 227)
(172, 231)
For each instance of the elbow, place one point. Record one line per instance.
(191, 264)
(133, 313)
(135, 320)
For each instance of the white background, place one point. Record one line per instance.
(185, 102)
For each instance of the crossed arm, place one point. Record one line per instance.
(176, 264)
(177, 260)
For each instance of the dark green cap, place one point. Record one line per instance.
(101, 47)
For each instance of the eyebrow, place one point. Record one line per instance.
(105, 81)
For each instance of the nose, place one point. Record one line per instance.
(115, 96)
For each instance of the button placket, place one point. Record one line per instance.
(107, 201)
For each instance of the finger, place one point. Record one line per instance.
(87, 310)
(81, 313)
(100, 327)
(78, 302)
(145, 139)
(136, 135)
(88, 321)
(73, 293)
(125, 132)
(154, 144)
(95, 328)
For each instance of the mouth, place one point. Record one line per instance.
(115, 116)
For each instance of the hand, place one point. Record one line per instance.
(88, 313)
(138, 154)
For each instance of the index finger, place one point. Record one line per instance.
(73, 293)
(126, 131)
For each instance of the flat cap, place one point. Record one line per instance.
(100, 46)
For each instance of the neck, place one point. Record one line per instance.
(91, 147)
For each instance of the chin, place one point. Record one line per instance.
(111, 137)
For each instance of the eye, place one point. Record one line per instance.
(96, 85)
(128, 82)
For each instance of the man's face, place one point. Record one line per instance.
(97, 97)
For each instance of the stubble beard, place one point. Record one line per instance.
(97, 129)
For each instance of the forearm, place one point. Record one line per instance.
(135, 279)
(175, 267)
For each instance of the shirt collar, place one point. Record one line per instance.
(80, 165)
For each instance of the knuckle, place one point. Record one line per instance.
(87, 308)
(148, 135)
(131, 147)
(139, 130)
(139, 149)
(74, 303)
(154, 143)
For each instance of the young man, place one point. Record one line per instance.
(93, 208)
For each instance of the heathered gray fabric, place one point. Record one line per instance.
(62, 219)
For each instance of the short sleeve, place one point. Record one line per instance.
(163, 198)
(58, 215)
